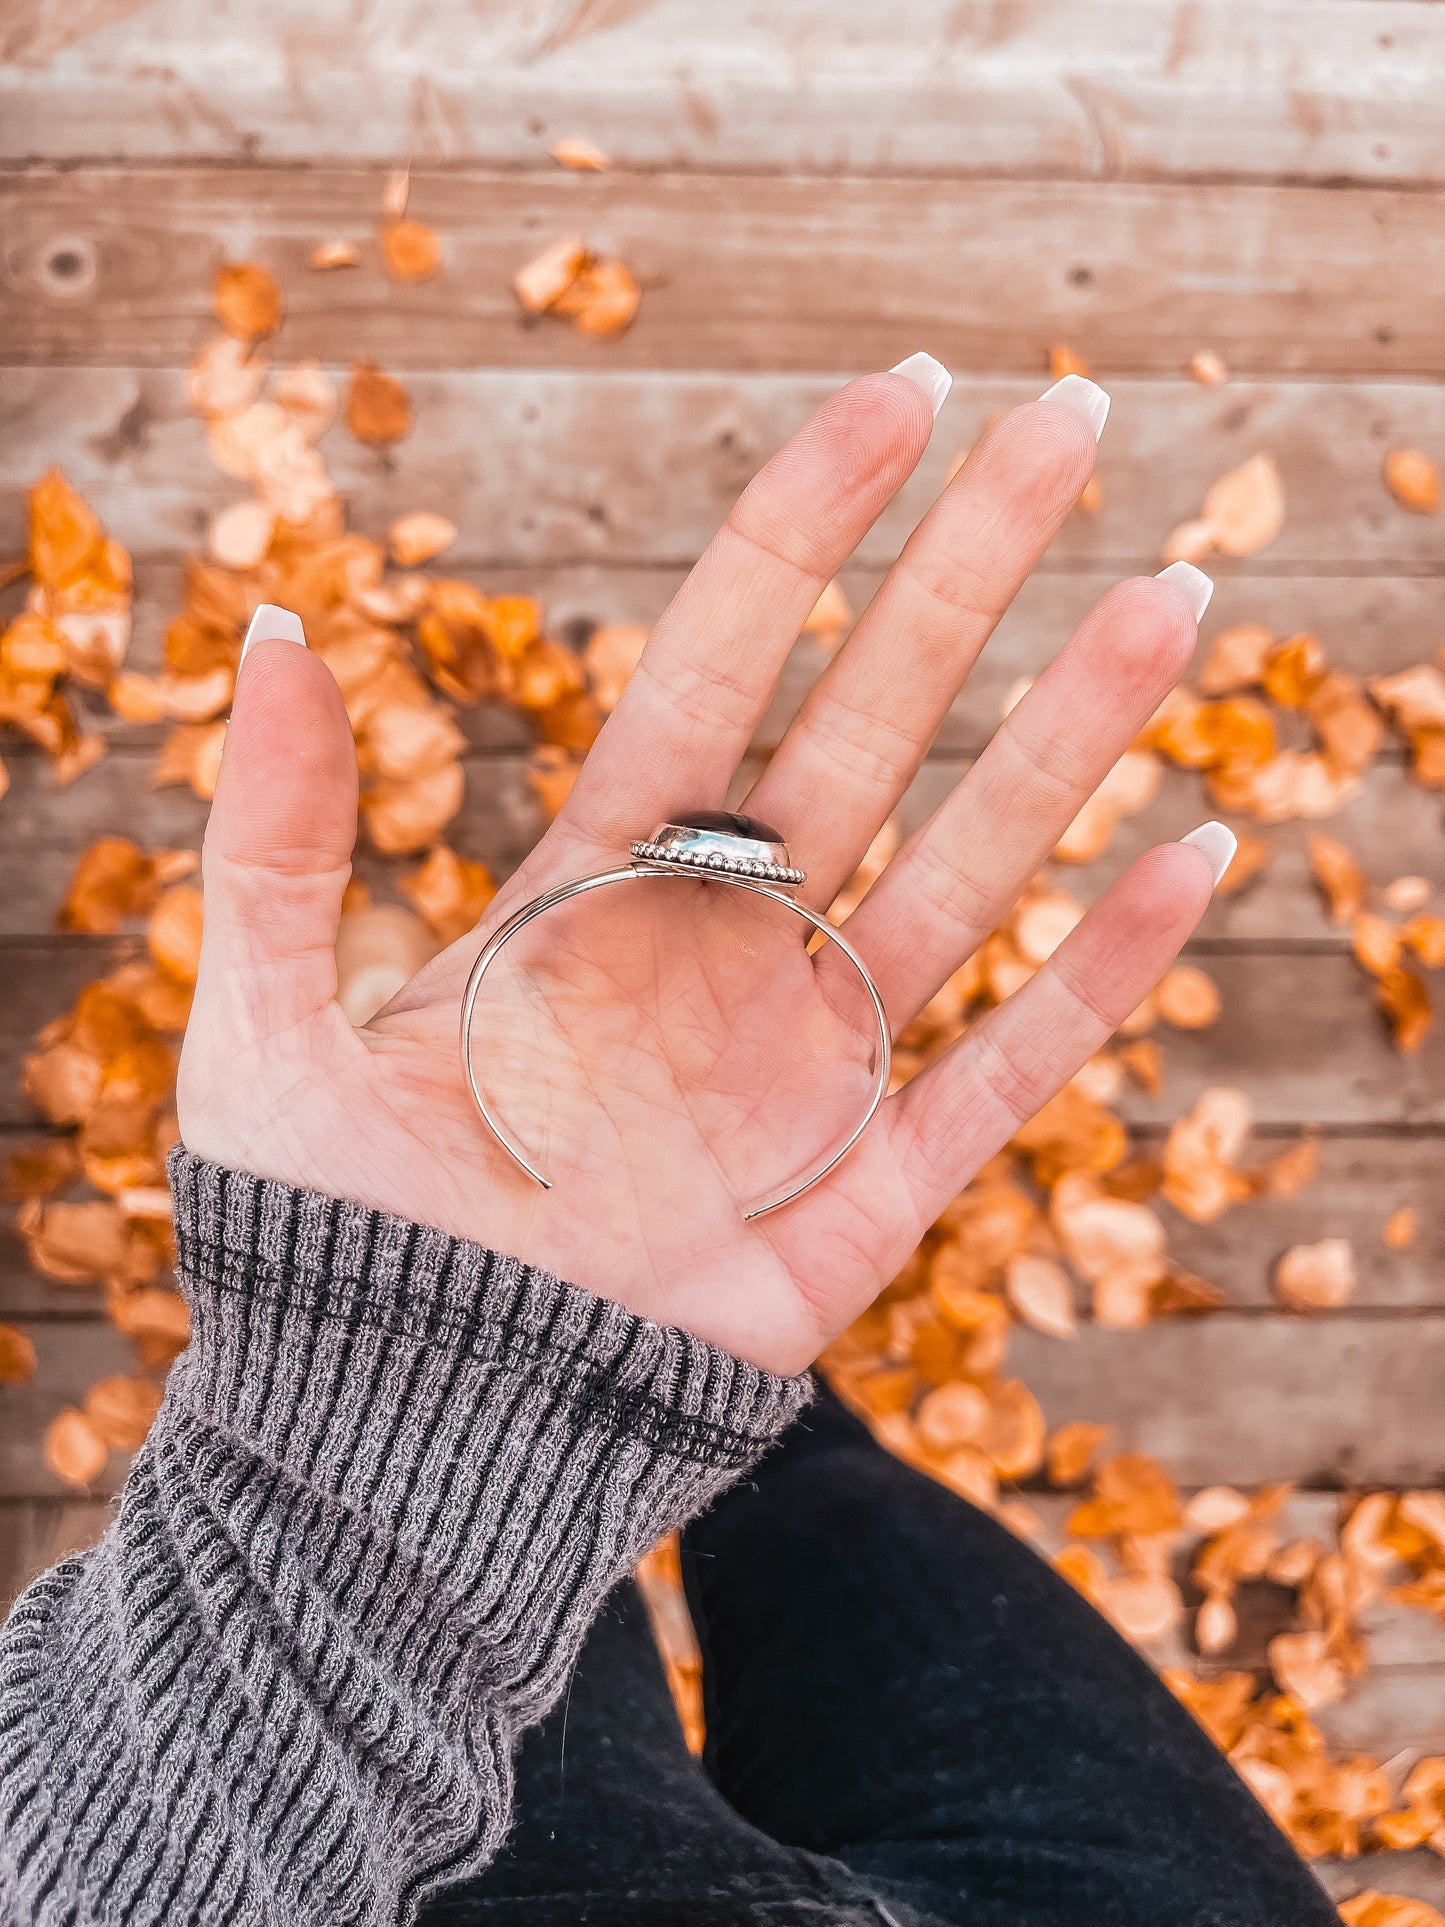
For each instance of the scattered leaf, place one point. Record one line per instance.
(1411, 478)
(411, 250)
(247, 300)
(1317, 1277)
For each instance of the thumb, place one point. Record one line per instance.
(278, 845)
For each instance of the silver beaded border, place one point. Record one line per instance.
(738, 866)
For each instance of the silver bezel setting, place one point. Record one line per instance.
(716, 857)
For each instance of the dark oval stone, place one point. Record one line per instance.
(728, 823)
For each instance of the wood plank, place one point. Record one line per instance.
(36, 1533)
(69, 1359)
(1244, 1398)
(1370, 625)
(1398, 1636)
(1242, 87)
(1362, 1180)
(1419, 1875)
(115, 267)
(1393, 826)
(640, 469)
(1301, 1038)
(1233, 1397)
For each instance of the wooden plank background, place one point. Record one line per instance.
(807, 192)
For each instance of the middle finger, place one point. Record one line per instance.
(866, 726)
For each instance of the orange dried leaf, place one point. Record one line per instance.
(830, 615)
(1375, 1909)
(601, 300)
(1414, 697)
(1399, 1231)
(450, 891)
(1014, 1436)
(17, 1356)
(191, 754)
(40, 1169)
(1236, 659)
(174, 932)
(411, 250)
(247, 300)
(1143, 1605)
(1317, 1277)
(1245, 508)
(952, 1415)
(74, 1450)
(1294, 670)
(1376, 943)
(1411, 478)
(1339, 876)
(1208, 368)
(240, 535)
(551, 773)
(1287, 1175)
(418, 537)
(613, 651)
(1426, 937)
(64, 535)
(379, 948)
(1406, 894)
(378, 408)
(549, 275)
(1132, 1494)
(1070, 1450)
(1304, 1667)
(1251, 856)
(1187, 998)
(335, 254)
(122, 1410)
(1039, 1291)
(1402, 995)
(403, 817)
(575, 151)
(1063, 361)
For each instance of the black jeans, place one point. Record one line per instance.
(911, 1719)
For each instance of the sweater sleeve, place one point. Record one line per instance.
(393, 1478)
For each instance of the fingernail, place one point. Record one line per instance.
(1085, 397)
(1193, 584)
(1218, 842)
(270, 624)
(929, 375)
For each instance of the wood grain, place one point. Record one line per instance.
(1154, 87)
(1393, 827)
(1240, 1398)
(640, 469)
(116, 267)
(70, 1357)
(1370, 625)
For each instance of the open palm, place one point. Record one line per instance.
(672, 1049)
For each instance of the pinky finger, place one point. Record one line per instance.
(955, 1115)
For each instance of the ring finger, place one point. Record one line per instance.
(955, 878)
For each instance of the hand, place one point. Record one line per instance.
(669, 1049)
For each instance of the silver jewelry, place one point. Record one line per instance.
(706, 846)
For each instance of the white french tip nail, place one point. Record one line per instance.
(1218, 842)
(272, 624)
(929, 375)
(1085, 397)
(1193, 584)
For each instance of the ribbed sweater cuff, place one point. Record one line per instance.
(263, 1263)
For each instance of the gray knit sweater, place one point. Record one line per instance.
(393, 1479)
